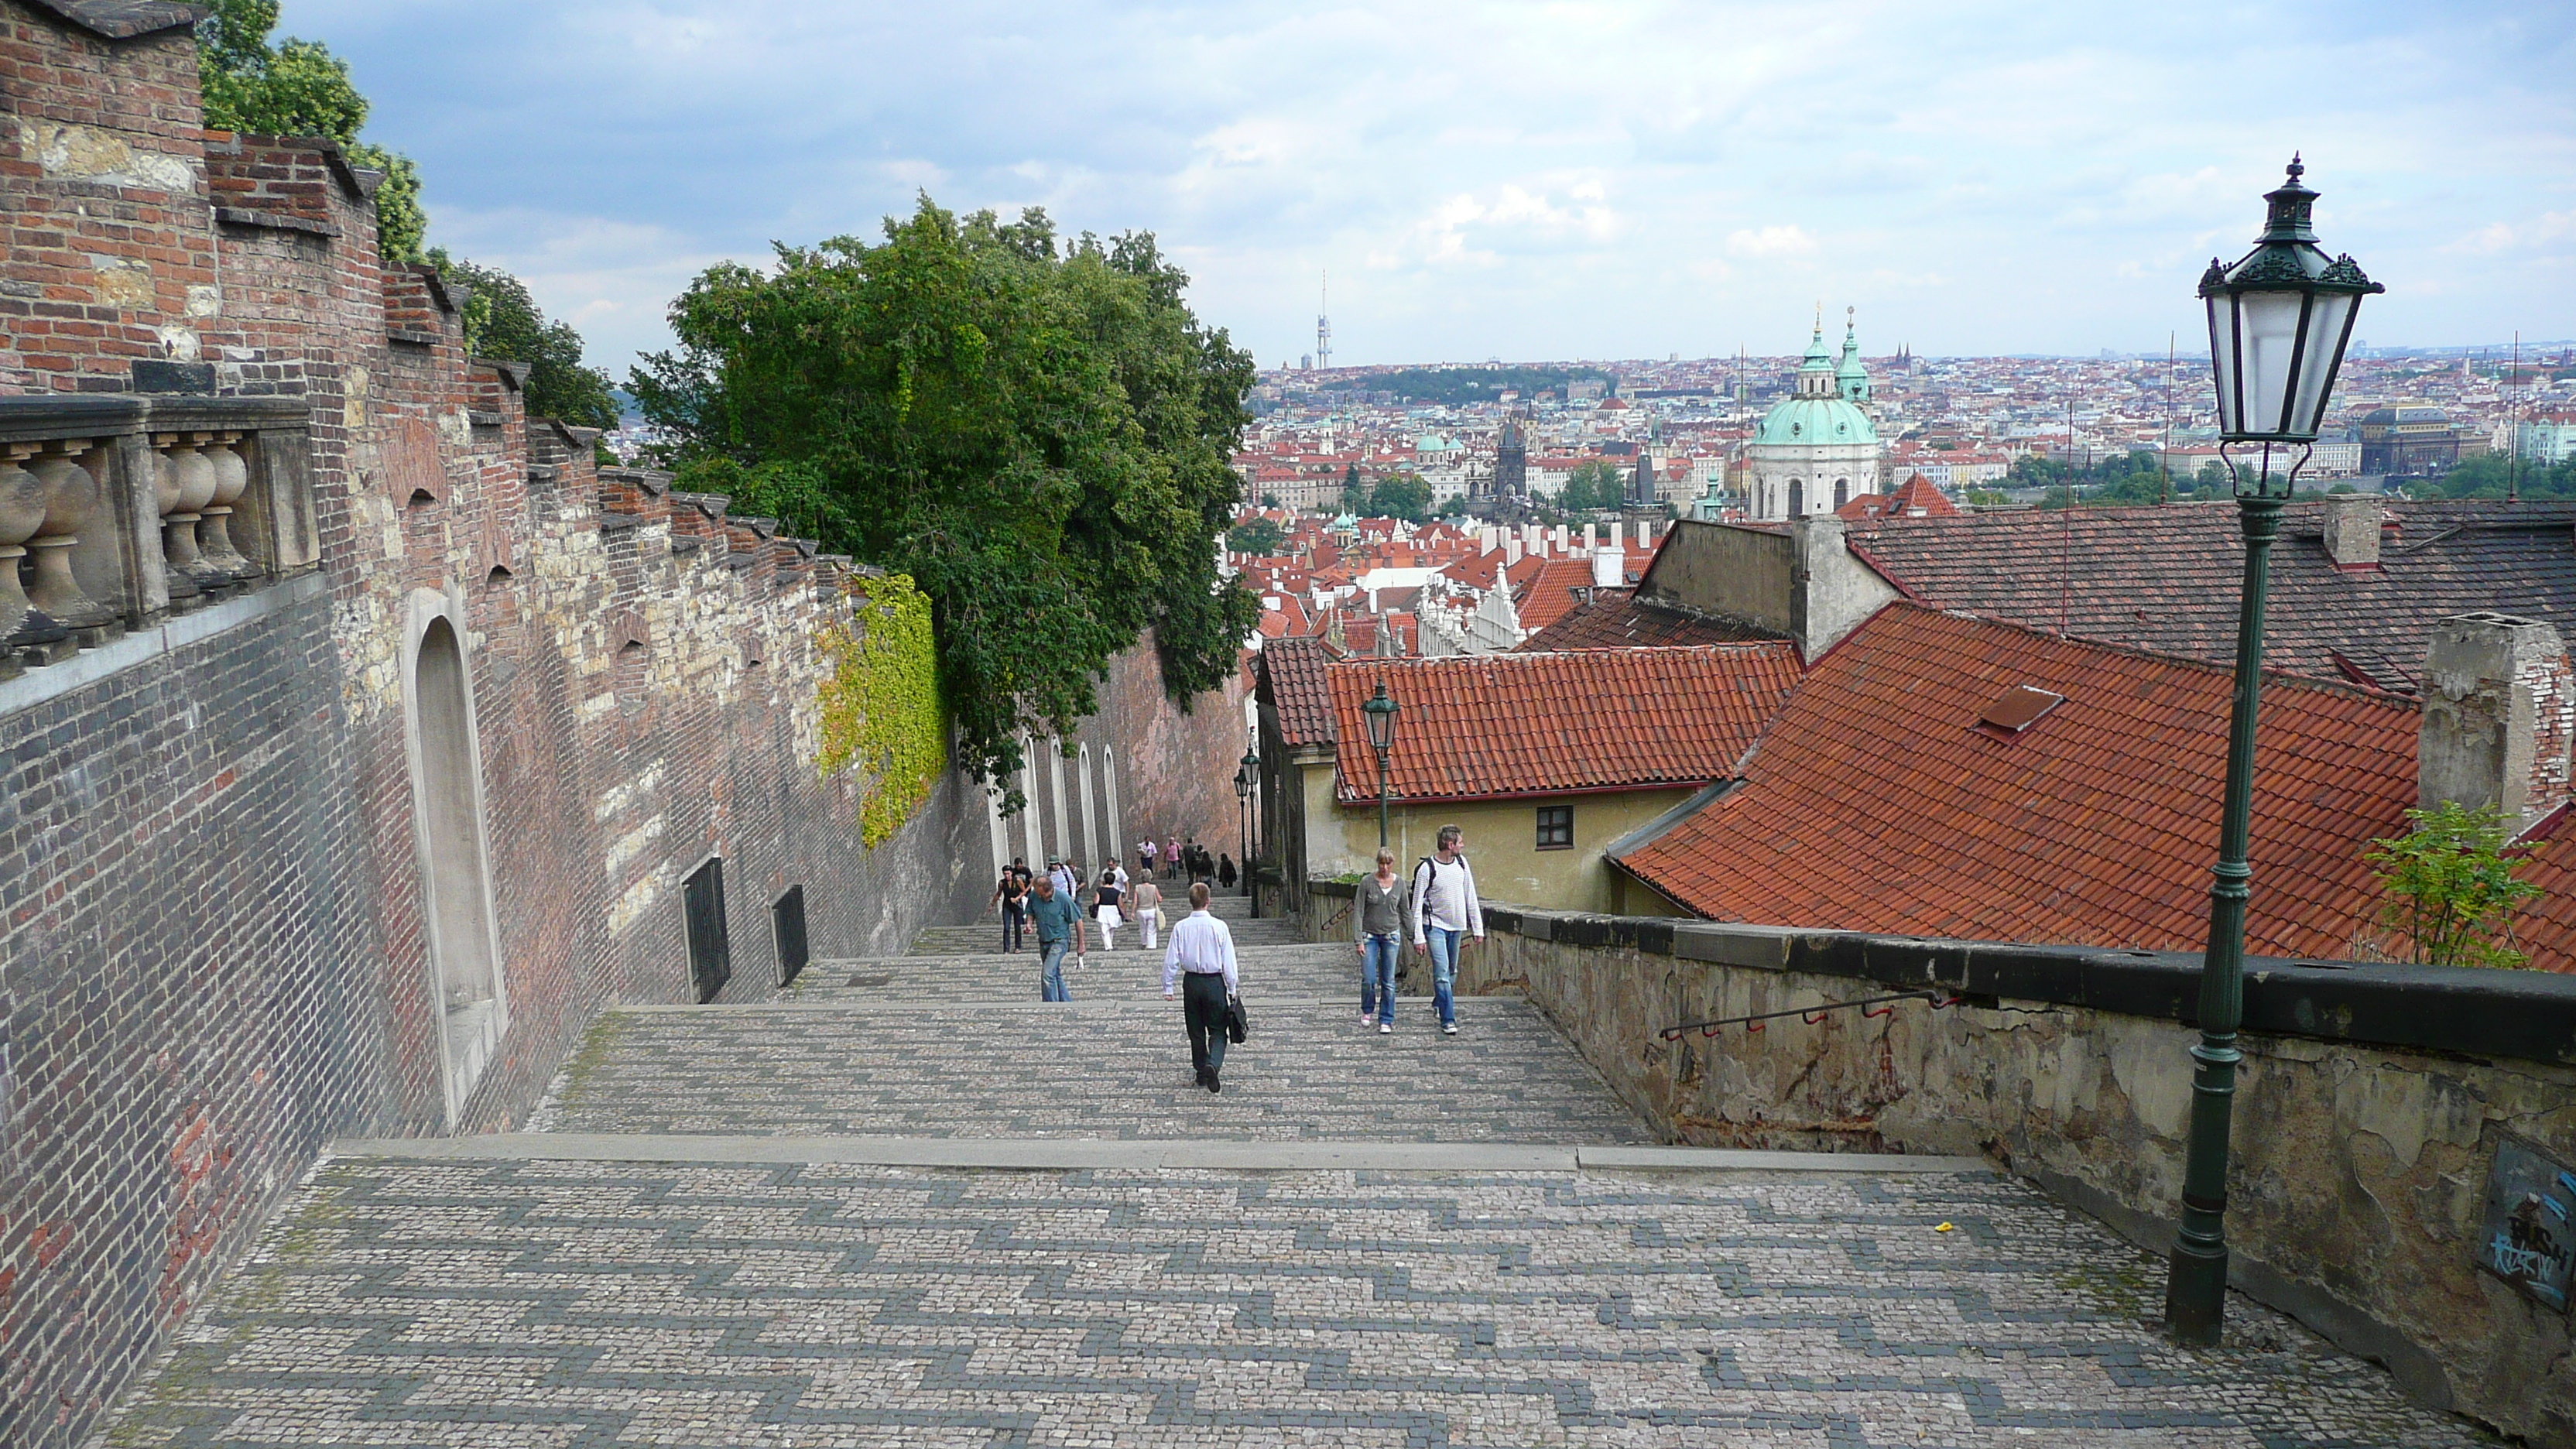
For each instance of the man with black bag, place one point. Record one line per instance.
(1201, 954)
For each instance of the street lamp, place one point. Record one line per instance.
(1243, 809)
(2278, 322)
(1381, 732)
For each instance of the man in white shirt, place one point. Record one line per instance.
(1444, 908)
(1202, 955)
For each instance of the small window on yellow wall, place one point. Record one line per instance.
(1556, 827)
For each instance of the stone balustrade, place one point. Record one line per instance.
(117, 510)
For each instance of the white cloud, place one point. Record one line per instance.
(1542, 178)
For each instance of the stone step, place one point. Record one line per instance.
(517, 1303)
(1098, 1068)
(1302, 970)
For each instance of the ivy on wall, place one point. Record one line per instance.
(881, 706)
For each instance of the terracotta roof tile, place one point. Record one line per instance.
(1615, 620)
(1291, 680)
(2545, 928)
(2165, 579)
(1528, 724)
(1876, 802)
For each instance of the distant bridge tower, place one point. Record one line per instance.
(1324, 325)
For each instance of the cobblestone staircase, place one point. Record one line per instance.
(907, 1203)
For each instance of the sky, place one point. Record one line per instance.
(1543, 181)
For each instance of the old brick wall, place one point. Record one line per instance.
(102, 204)
(213, 956)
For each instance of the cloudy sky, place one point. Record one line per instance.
(1528, 181)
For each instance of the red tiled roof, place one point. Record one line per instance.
(1615, 620)
(1539, 724)
(1291, 678)
(1876, 802)
(2545, 927)
(2165, 579)
(1550, 593)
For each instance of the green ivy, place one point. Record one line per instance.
(881, 706)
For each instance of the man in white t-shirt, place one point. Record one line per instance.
(1443, 910)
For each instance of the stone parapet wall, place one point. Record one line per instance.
(2371, 1104)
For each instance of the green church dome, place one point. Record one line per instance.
(1815, 421)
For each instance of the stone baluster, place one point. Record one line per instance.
(183, 482)
(22, 513)
(232, 479)
(71, 495)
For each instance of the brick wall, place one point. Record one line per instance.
(213, 951)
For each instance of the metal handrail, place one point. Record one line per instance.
(1812, 1015)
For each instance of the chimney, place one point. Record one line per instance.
(2352, 533)
(1511, 553)
(1491, 537)
(1372, 601)
(1591, 537)
(2499, 710)
(1609, 569)
(1561, 544)
(1645, 533)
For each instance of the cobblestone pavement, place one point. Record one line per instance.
(1113, 1069)
(557, 1304)
(564, 1304)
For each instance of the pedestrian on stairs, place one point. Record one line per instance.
(1442, 912)
(1146, 900)
(1377, 917)
(1225, 876)
(1059, 926)
(1105, 902)
(1202, 954)
(1146, 850)
(1010, 897)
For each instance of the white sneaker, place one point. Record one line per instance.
(1386, 1028)
(1448, 1028)
(1365, 1019)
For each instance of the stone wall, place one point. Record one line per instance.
(2371, 1104)
(238, 880)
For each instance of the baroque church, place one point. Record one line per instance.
(1816, 449)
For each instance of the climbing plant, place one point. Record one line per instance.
(2448, 890)
(881, 708)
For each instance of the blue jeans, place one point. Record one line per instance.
(1444, 971)
(1014, 923)
(1377, 977)
(1051, 970)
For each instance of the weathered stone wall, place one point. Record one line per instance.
(2370, 1107)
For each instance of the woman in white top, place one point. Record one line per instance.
(1145, 900)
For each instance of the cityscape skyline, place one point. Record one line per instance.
(1609, 179)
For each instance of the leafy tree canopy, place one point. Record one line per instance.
(1401, 495)
(2488, 475)
(1261, 538)
(1593, 484)
(1040, 436)
(299, 88)
(502, 320)
(1454, 386)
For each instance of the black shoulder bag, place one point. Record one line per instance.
(1237, 1027)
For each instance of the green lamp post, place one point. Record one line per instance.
(1246, 772)
(2278, 322)
(1380, 710)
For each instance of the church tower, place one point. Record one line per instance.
(1816, 449)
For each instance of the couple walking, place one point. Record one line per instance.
(1440, 911)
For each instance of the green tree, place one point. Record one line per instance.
(1592, 484)
(2489, 476)
(299, 88)
(2447, 888)
(1041, 438)
(502, 320)
(1355, 494)
(1401, 495)
(1261, 538)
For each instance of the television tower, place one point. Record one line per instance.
(1324, 325)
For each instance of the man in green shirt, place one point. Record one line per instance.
(1058, 922)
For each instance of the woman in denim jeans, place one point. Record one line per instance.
(1377, 918)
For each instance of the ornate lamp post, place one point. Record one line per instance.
(1381, 732)
(2278, 322)
(1243, 813)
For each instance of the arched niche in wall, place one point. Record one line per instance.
(1797, 498)
(467, 990)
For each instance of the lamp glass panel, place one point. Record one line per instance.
(2271, 339)
(2325, 334)
(2222, 357)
